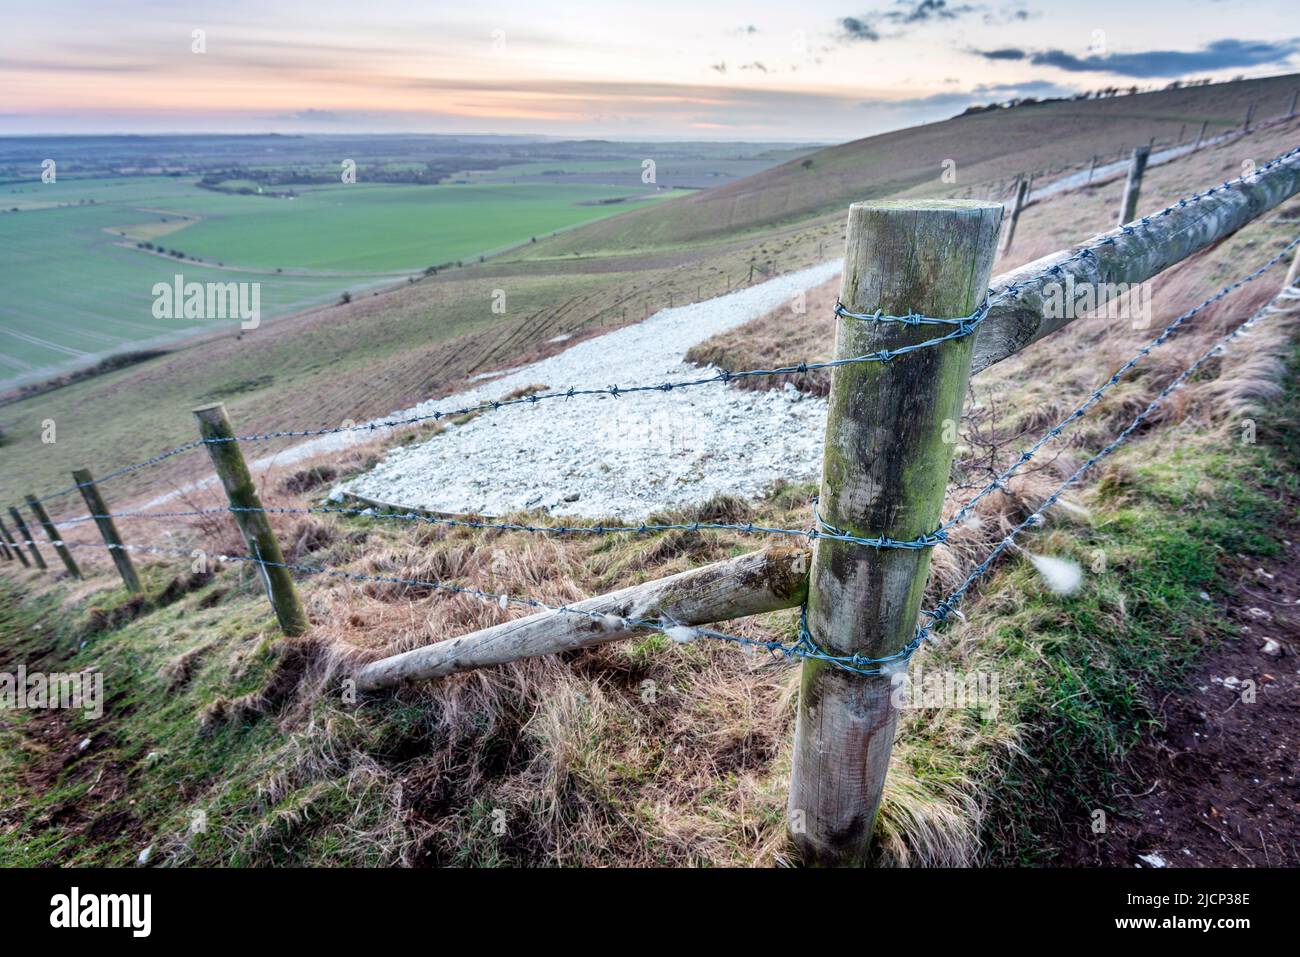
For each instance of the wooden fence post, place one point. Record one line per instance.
(1200, 137)
(95, 502)
(228, 460)
(1133, 186)
(52, 533)
(1093, 167)
(1295, 96)
(1022, 190)
(1250, 115)
(13, 545)
(25, 536)
(884, 472)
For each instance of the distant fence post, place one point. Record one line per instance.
(95, 502)
(228, 460)
(1250, 115)
(53, 535)
(13, 545)
(1133, 186)
(1022, 190)
(26, 536)
(887, 458)
(1295, 96)
(1200, 137)
(1092, 168)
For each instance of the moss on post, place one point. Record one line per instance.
(885, 472)
(246, 507)
(1133, 185)
(13, 545)
(1022, 194)
(26, 536)
(52, 533)
(95, 502)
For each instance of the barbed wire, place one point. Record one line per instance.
(964, 326)
(1025, 457)
(125, 470)
(948, 606)
(501, 599)
(805, 647)
(821, 529)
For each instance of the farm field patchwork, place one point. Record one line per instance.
(78, 285)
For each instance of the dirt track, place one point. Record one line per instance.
(1220, 786)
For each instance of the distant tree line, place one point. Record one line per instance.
(1104, 93)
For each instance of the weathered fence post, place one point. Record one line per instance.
(228, 460)
(52, 533)
(1200, 137)
(1093, 167)
(25, 536)
(1133, 186)
(13, 545)
(1022, 190)
(1250, 115)
(1295, 96)
(99, 511)
(884, 472)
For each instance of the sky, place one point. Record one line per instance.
(815, 70)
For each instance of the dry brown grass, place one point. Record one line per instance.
(650, 753)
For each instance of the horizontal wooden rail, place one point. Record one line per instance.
(751, 584)
(777, 578)
(1136, 256)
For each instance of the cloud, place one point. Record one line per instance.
(913, 13)
(1030, 86)
(978, 95)
(1219, 55)
(925, 10)
(1009, 14)
(855, 29)
(1006, 53)
(945, 100)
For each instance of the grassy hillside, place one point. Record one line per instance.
(988, 148)
(222, 745)
(385, 351)
(771, 341)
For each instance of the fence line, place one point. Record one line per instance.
(944, 609)
(821, 530)
(841, 753)
(804, 647)
(964, 326)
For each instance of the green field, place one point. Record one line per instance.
(388, 228)
(77, 286)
